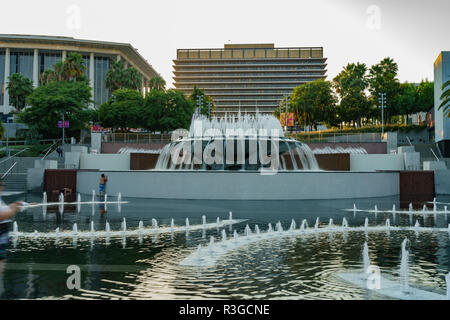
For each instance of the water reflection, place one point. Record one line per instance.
(295, 268)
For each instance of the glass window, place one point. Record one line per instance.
(2, 76)
(22, 62)
(101, 66)
(47, 60)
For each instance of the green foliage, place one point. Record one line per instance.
(312, 103)
(351, 84)
(366, 129)
(207, 105)
(383, 79)
(157, 83)
(445, 97)
(118, 77)
(122, 110)
(19, 88)
(425, 96)
(71, 69)
(162, 111)
(49, 102)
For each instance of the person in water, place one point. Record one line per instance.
(6, 214)
(102, 184)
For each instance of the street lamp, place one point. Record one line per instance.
(288, 101)
(382, 100)
(209, 104)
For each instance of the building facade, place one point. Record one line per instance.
(247, 77)
(441, 123)
(31, 55)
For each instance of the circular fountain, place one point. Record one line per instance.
(231, 143)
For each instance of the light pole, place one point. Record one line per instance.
(199, 102)
(209, 103)
(382, 100)
(288, 100)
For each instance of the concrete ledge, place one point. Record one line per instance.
(434, 165)
(243, 185)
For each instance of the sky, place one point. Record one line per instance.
(412, 32)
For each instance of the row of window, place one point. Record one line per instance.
(23, 61)
(237, 81)
(233, 62)
(283, 67)
(240, 86)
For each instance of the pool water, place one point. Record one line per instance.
(148, 268)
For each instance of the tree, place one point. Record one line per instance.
(383, 79)
(19, 88)
(157, 83)
(425, 96)
(207, 107)
(445, 97)
(166, 111)
(153, 110)
(71, 69)
(118, 77)
(406, 99)
(49, 102)
(314, 102)
(122, 110)
(351, 84)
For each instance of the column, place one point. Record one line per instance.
(64, 55)
(118, 58)
(126, 65)
(36, 68)
(91, 75)
(6, 107)
(91, 69)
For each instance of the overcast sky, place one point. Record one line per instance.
(412, 32)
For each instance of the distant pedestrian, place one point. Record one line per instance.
(102, 184)
(59, 150)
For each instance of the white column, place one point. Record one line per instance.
(6, 107)
(64, 55)
(126, 65)
(91, 75)
(36, 68)
(118, 58)
(91, 69)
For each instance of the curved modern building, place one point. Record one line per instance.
(31, 55)
(247, 77)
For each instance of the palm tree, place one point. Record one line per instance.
(132, 79)
(19, 88)
(445, 97)
(157, 83)
(73, 67)
(115, 76)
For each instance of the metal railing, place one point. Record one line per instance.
(330, 137)
(136, 138)
(24, 142)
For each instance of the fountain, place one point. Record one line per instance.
(330, 223)
(124, 225)
(344, 223)
(224, 236)
(316, 225)
(107, 228)
(204, 220)
(44, 197)
(93, 196)
(257, 231)
(187, 223)
(92, 228)
(141, 226)
(404, 275)
(154, 224)
(230, 217)
(247, 230)
(293, 225)
(75, 229)
(366, 258)
(218, 222)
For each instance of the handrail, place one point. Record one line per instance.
(6, 173)
(46, 154)
(10, 157)
(434, 154)
(409, 141)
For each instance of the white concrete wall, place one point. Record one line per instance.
(96, 141)
(242, 185)
(442, 182)
(373, 162)
(105, 161)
